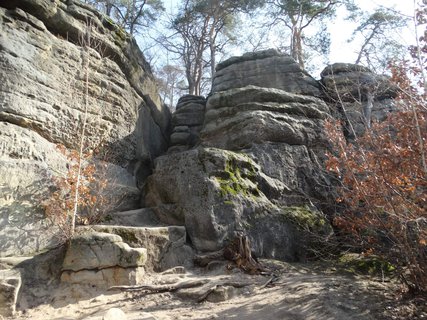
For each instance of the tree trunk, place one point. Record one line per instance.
(367, 110)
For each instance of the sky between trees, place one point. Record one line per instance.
(184, 39)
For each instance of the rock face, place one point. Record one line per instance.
(102, 259)
(258, 168)
(228, 194)
(187, 121)
(351, 88)
(48, 63)
(10, 283)
(268, 69)
(166, 246)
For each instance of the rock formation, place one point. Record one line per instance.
(247, 160)
(103, 259)
(354, 91)
(258, 167)
(268, 69)
(187, 121)
(52, 53)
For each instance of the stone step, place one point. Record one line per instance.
(102, 259)
(144, 217)
(166, 245)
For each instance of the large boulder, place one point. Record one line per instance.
(269, 69)
(166, 246)
(50, 72)
(217, 193)
(102, 259)
(237, 118)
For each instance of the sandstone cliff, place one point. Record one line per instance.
(47, 48)
(258, 166)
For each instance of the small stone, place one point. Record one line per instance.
(114, 314)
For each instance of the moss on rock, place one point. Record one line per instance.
(127, 235)
(307, 219)
(238, 178)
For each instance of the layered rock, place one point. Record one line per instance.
(268, 69)
(103, 259)
(187, 121)
(355, 92)
(166, 245)
(50, 73)
(258, 168)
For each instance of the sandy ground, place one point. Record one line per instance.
(289, 292)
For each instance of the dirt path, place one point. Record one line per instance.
(291, 292)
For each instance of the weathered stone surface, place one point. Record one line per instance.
(144, 217)
(10, 283)
(104, 278)
(103, 260)
(187, 122)
(95, 250)
(166, 246)
(258, 167)
(39, 274)
(227, 195)
(237, 118)
(42, 99)
(269, 69)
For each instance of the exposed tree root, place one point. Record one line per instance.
(163, 288)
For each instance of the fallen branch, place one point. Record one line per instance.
(162, 288)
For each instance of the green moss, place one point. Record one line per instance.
(306, 219)
(372, 265)
(127, 235)
(238, 178)
(108, 22)
(119, 34)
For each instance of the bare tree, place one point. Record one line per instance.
(378, 47)
(298, 15)
(201, 30)
(132, 15)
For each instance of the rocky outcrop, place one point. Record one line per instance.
(166, 245)
(187, 121)
(239, 118)
(258, 167)
(51, 69)
(268, 69)
(102, 259)
(355, 93)
(228, 193)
